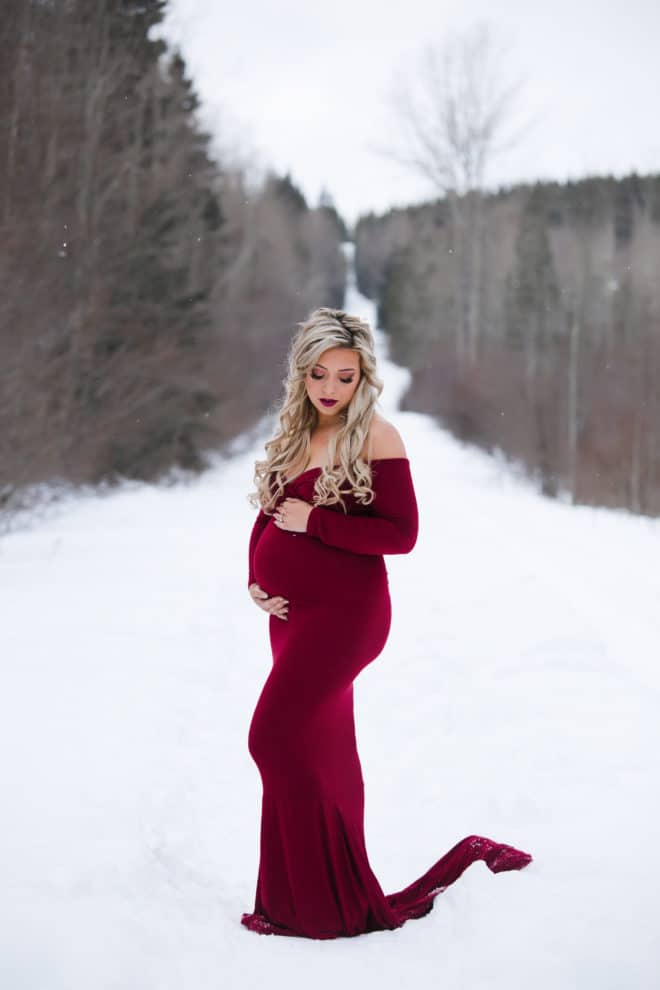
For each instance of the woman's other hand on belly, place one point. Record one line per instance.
(276, 605)
(292, 515)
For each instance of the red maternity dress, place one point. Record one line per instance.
(314, 877)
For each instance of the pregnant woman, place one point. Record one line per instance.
(335, 494)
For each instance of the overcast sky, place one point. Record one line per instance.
(302, 86)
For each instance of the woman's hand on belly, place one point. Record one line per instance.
(276, 605)
(292, 515)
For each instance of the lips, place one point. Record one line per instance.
(328, 402)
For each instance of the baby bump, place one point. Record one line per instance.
(304, 570)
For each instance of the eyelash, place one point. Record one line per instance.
(344, 381)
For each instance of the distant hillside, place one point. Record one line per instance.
(536, 330)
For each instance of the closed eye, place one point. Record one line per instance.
(344, 381)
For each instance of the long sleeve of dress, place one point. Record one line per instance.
(257, 529)
(391, 527)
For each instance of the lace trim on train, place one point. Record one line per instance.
(497, 855)
(259, 923)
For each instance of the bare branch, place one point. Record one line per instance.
(454, 112)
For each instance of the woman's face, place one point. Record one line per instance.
(334, 377)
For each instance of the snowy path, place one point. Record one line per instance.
(525, 709)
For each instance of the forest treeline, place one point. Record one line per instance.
(532, 327)
(148, 290)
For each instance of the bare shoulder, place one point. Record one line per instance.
(385, 440)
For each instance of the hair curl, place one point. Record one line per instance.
(324, 328)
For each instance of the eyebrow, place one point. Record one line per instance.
(319, 365)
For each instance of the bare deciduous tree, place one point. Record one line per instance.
(455, 112)
(147, 288)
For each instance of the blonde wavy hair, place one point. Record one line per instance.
(322, 329)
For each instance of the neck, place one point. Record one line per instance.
(327, 424)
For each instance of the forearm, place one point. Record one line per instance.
(374, 535)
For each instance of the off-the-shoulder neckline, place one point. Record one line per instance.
(319, 467)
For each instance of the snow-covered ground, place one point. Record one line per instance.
(517, 698)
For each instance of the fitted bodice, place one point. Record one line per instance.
(303, 568)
